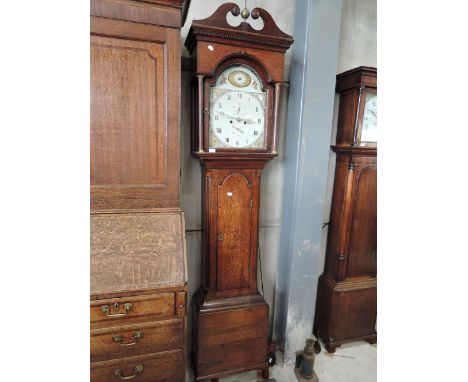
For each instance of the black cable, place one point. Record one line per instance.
(261, 273)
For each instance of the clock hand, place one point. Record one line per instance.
(238, 110)
(248, 120)
(238, 129)
(226, 115)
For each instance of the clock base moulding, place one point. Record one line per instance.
(230, 336)
(355, 302)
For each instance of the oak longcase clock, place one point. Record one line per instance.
(237, 78)
(347, 290)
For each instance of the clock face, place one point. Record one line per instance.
(369, 119)
(237, 110)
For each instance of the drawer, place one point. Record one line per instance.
(121, 311)
(160, 367)
(138, 339)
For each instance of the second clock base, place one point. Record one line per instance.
(230, 336)
(346, 311)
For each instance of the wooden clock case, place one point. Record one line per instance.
(347, 291)
(230, 333)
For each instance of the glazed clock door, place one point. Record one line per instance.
(234, 216)
(362, 255)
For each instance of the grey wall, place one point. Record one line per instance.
(313, 75)
(358, 40)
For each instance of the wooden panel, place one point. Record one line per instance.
(137, 251)
(156, 337)
(346, 311)
(129, 31)
(356, 311)
(149, 307)
(217, 328)
(234, 224)
(347, 117)
(362, 260)
(159, 367)
(208, 59)
(127, 113)
(244, 355)
(139, 11)
(134, 116)
(232, 340)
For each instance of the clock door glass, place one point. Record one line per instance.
(369, 119)
(237, 110)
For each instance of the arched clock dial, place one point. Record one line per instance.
(237, 112)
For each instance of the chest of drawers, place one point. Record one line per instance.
(139, 336)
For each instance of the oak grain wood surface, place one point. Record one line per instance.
(138, 257)
(232, 261)
(347, 291)
(145, 12)
(230, 326)
(123, 73)
(234, 222)
(148, 307)
(157, 336)
(135, 116)
(157, 367)
(137, 251)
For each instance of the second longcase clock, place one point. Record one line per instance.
(238, 72)
(347, 289)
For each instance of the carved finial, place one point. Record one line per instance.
(255, 13)
(245, 12)
(235, 10)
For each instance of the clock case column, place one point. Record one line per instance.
(230, 317)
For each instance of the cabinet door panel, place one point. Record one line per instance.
(234, 233)
(125, 129)
(363, 237)
(134, 119)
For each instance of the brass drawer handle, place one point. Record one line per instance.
(119, 339)
(138, 370)
(105, 309)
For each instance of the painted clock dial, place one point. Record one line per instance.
(237, 110)
(369, 119)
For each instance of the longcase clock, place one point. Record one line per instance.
(347, 291)
(238, 73)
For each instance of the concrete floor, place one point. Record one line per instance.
(353, 362)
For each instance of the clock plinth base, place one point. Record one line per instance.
(346, 311)
(230, 336)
